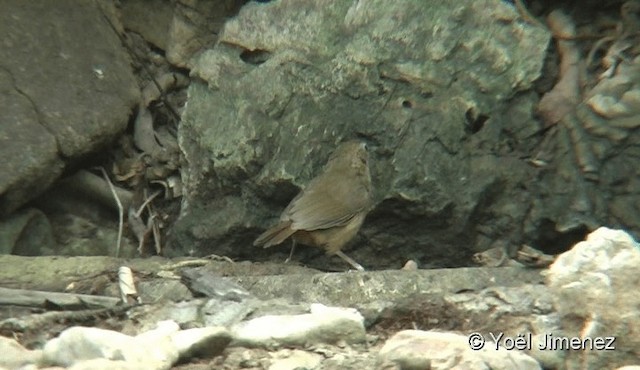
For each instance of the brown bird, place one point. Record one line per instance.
(329, 212)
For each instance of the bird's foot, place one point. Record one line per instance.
(350, 261)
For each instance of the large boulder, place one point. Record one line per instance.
(66, 89)
(439, 91)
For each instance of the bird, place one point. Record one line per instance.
(330, 210)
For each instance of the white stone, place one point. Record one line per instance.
(323, 325)
(78, 344)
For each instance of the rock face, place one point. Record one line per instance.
(66, 88)
(429, 86)
(180, 28)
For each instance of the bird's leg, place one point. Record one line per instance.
(350, 261)
(293, 248)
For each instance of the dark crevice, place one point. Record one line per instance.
(552, 241)
(475, 121)
(255, 57)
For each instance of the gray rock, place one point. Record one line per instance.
(594, 287)
(201, 342)
(197, 312)
(428, 88)
(494, 302)
(323, 325)
(150, 19)
(206, 282)
(67, 89)
(195, 24)
(183, 313)
(32, 148)
(349, 289)
(26, 233)
(182, 28)
(162, 290)
(415, 349)
(224, 312)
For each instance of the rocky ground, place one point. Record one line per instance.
(193, 314)
(499, 133)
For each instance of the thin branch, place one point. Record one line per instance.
(147, 201)
(120, 210)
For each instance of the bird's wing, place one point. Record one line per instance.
(311, 210)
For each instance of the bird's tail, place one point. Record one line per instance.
(275, 235)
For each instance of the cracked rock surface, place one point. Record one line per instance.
(434, 99)
(67, 87)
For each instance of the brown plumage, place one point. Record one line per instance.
(329, 212)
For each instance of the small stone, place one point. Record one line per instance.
(323, 325)
(297, 359)
(411, 265)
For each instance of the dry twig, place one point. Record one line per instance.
(120, 211)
